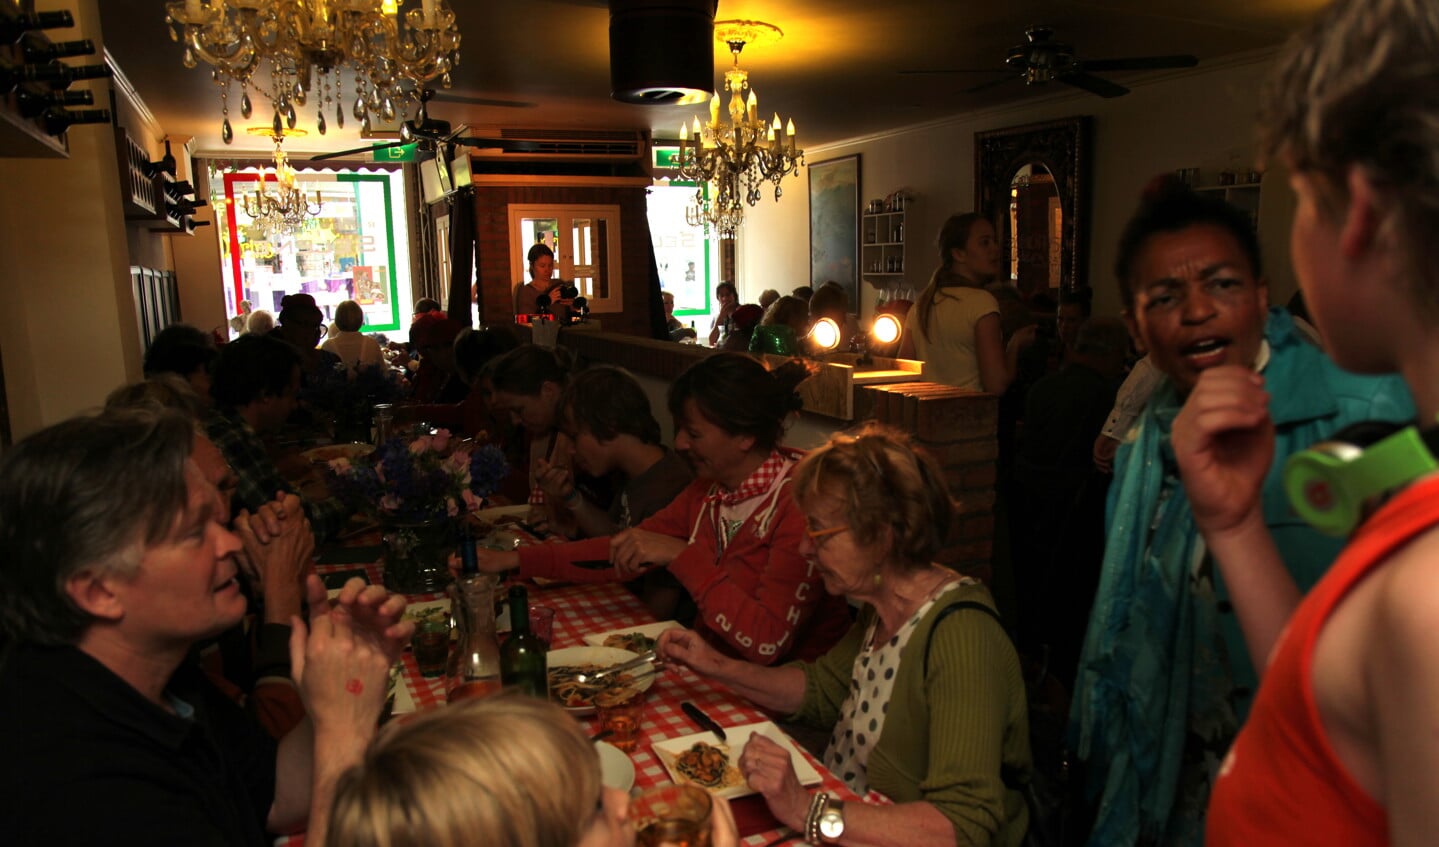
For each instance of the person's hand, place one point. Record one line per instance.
(1104, 450)
(489, 561)
(1223, 443)
(634, 551)
(685, 647)
(341, 675)
(539, 518)
(768, 769)
(372, 612)
(1023, 337)
(555, 480)
(275, 567)
(724, 832)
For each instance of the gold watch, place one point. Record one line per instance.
(831, 820)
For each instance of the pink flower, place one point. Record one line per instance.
(451, 507)
(440, 440)
(423, 444)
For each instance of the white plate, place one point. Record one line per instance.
(495, 512)
(321, 455)
(414, 611)
(666, 751)
(605, 657)
(652, 630)
(616, 769)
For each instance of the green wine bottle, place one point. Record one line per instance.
(523, 662)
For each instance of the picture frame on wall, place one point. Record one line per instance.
(834, 224)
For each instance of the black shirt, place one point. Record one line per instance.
(85, 759)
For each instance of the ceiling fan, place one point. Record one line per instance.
(432, 133)
(1041, 59)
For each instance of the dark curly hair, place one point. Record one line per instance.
(738, 394)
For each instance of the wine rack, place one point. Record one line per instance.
(152, 196)
(34, 119)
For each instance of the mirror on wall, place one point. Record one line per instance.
(1033, 182)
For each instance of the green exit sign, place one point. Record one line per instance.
(400, 153)
(666, 157)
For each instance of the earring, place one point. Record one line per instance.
(878, 579)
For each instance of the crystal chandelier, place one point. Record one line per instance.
(306, 43)
(737, 158)
(283, 209)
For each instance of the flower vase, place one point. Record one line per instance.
(416, 555)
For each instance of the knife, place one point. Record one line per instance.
(704, 720)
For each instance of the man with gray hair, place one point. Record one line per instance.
(114, 561)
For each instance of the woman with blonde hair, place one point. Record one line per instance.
(354, 349)
(954, 325)
(506, 771)
(923, 694)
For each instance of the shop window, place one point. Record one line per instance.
(687, 258)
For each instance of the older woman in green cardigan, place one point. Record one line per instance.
(926, 706)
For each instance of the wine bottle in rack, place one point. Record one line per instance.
(12, 77)
(37, 51)
(56, 120)
(14, 25)
(71, 74)
(32, 104)
(167, 162)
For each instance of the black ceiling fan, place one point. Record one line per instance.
(1042, 59)
(432, 134)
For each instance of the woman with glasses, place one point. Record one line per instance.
(924, 694)
(504, 771)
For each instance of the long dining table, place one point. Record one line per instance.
(584, 609)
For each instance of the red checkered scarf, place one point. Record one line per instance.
(756, 483)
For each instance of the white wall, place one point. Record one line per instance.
(1202, 118)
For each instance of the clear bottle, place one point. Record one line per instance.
(474, 665)
(384, 415)
(523, 663)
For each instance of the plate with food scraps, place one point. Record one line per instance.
(616, 769)
(433, 610)
(330, 452)
(578, 699)
(703, 760)
(636, 639)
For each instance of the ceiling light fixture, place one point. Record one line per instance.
(391, 53)
(285, 208)
(738, 157)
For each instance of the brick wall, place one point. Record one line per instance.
(492, 248)
(958, 428)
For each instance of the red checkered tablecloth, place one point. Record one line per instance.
(584, 609)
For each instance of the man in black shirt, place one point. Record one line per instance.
(114, 561)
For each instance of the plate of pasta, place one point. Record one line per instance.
(636, 639)
(698, 760)
(579, 699)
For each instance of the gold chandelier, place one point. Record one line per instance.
(390, 53)
(283, 209)
(737, 158)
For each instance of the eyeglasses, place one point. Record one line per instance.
(815, 535)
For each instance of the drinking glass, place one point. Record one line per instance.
(431, 645)
(620, 711)
(542, 623)
(672, 816)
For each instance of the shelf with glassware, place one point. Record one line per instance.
(882, 231)
(1245, 195)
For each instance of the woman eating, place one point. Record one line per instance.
(504, 771)
(924, 693)
(732, 537)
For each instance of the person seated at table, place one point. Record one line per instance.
(424, 306)
(924, 693)
(256, 381)
(606, 416)
(249, 662)
(114, 562)
(259, 322)
(184, 350)
(302, 325)
(728, 299)
(741, 327)
(432, 338)
(767, 298)
(831, 301)
(515, 769)
(354, 348)
(473, 350)
(732, 537)
(673, 325)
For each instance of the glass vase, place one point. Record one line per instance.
(416, 555)
(474, 666)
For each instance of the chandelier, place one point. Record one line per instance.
(739, 157)
(305, 43)
(283, 209)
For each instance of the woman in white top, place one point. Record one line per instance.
(355, 350)
(954, 326)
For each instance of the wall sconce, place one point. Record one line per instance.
(886, 329)
(824, 335)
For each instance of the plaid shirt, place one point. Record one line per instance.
(259, 479)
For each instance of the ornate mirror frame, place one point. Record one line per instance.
(1062, 147)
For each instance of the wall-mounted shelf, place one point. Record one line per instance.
(1245, 195)
(882, 242)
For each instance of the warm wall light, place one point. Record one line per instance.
(824, 334)
(885, 329)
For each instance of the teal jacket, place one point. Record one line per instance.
(1165, 678)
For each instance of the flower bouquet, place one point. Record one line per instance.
(346, 400)
(418, 489)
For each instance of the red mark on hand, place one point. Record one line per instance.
(355, 687)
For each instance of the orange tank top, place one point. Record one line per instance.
(1282, 782)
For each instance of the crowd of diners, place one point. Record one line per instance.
(172, 670)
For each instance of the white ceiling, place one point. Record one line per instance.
(835, 71)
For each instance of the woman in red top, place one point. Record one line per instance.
(1341, 745)
(732, 538)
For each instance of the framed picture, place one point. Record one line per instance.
(834, 225)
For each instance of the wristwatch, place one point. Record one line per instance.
(831, 820)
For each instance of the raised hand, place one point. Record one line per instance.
(685, 647)
(1223, 443)
(768, 769)
(341, 674)
(555, 480)
(634, 551)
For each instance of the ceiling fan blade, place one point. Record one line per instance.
(370, 149)
(1093, 84)
(953, 71)
(467, 100)
(1140, 63)
(993, 83)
